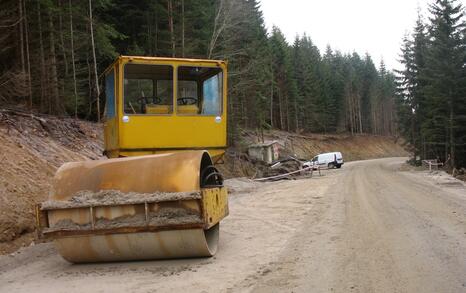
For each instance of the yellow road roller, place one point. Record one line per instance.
(158, 195)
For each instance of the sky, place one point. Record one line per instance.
(373, 26)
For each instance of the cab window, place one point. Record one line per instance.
(148, 89)
(200, 90)
(110, 95)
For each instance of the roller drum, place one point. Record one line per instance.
(171, 173)
(140, 246)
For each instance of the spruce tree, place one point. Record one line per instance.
(412, 86)
(445, 74)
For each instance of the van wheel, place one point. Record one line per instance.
(331, 165)
(338, 166)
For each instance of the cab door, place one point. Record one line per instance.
(110, 118)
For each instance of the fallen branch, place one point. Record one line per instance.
(23, 114)
(282, 176)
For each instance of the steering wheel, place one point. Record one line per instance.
(187, 101)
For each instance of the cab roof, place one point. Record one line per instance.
(124, 58)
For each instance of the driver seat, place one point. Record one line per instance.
(158, 109)
(188, 109)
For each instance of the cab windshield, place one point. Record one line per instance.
(149, 89)
(200, 90)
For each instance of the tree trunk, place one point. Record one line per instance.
(28, 59)
(287, 103)
(95, 61)
(452, 136)
(359, 114)
(21, 35)
(170, 24)
(149, 33)
(73, 64)
(53, 66)
(350, 108)
(182, 28)
(89, 82)
(62, 41)
(156, 37)
(280, 108)
(218, 27)
(296, 115)
(271, 101)
(42, 58)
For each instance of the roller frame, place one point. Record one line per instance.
(211, 207)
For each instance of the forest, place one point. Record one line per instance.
(53, 52)
(431, 97)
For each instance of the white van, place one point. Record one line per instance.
(330, 160)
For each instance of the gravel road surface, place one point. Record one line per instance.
(368, 227)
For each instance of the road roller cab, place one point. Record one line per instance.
(159, 194)
(158, 105)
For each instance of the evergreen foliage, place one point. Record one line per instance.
(432, 85)
(47, 62)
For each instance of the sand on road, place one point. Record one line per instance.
(365, 228)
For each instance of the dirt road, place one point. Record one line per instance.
(365, 228)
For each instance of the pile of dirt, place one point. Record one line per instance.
(86, 198)
(32, 147)
(237, 164)
(285, 166)
(163, 217)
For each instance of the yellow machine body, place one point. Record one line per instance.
(167, 126)
(160, 143)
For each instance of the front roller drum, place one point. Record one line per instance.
(140, 246)
(140, 228)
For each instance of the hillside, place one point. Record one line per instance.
(359, 147)
(31, 150)
(33, 147)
